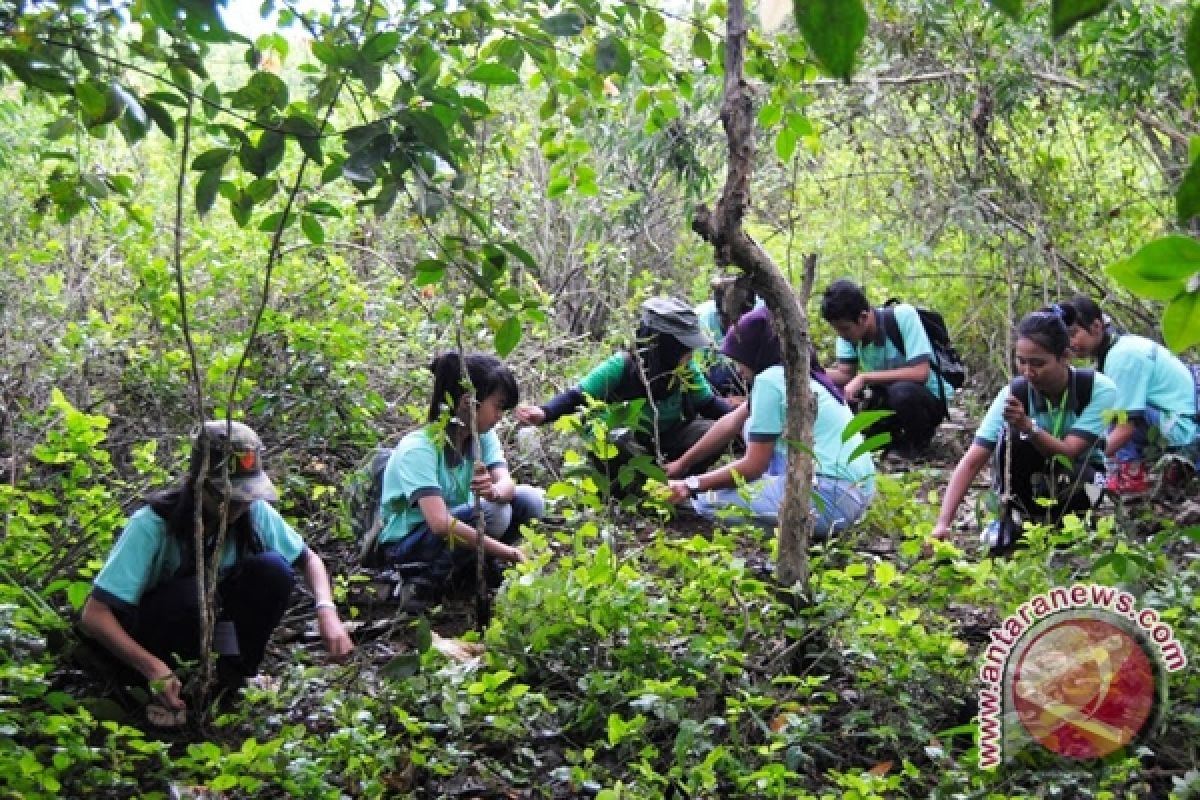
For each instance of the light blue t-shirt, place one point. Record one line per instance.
(424, 465)
(768, 413)
(710, 322)
(145, 555)
(1147, 375)
(881, 354)
(1059, 420)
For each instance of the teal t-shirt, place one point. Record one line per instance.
(768, 413)
(423, 465)
(881, 354)
(603, 381)
(1148, 376)
(710, 322)
(1059, 420)
(145, 554)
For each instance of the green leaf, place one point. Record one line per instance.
(37, 74)
(1181, 322)
(568, 23)
(323, 208)
(1009, 8)
(312, 229)
(212, 101)
(272, 222)
(209, 159)
(1161, 269)
(1065, 13)
(785, 144)
(521, 253)
(507, 336)
(206, 190)
(870, 445)
(1187, 195)
(613, 56)
(833, 30)
(162, 118)
(93, 99)
(381, 46)
(493, 74)
(861, 421)
(702, 45)
(1192, 45)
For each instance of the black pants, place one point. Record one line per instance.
(623, 472)
(253, 597)
(1035, 480)
(917, 412)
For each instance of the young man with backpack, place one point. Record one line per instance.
(886, 361)
(144, 607)
(1157, 396)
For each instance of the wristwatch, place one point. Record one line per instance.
(693, 484)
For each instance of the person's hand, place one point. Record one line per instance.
(675, 469)
(940, 531)
(678, 492)
(517, 555)
(854, 388)
(481, 482)
(168, 690)
(735, 400)
(530, 415)
(1015, 416)
(333, 634)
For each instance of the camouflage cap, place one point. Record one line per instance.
(234, 450)
(676, 318)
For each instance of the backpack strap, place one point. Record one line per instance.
(1080, 386)
(886, 315)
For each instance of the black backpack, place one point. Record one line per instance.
(364, 493)
(946, 360)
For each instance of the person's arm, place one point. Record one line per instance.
(716, 407)
(964, 474)
(714, 440)
(842, 373)
(751, 466)
(333, 633)
(442, 523)
(100, 623)
(495, 484)
(1118, 436)
(560, 405)
(1072, 445)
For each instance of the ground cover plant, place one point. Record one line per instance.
(286, 226)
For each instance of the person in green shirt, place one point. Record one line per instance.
(679, 405)
(143, 608)
(433, 476)
(1156, 391)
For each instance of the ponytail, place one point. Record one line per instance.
(488, 374)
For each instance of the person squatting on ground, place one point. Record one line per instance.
(904, 383)
(842, 489)
(1041, 412)
(1155, 392)
(429, 485)
(144, 606)
(716, 316)
(667, 335)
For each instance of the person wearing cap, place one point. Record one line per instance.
(842, 486)
(717, 315)
(659, 370)
(144, 607)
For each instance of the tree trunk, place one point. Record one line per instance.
(722, 228)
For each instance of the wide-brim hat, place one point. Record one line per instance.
(236, 451)
(675, 318)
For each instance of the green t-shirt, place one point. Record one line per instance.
(881, 355)
(603, 382)
(768, 414)
(145, 555)
(422, 467)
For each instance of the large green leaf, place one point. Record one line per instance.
(833, 30)
(206, 190)
(1187, 194)
(508, 335)
(1065, 13)
(1181, 322)
(568, 23)
(613, 56)
(1192, 44)
(1161, 269)
(492, 73)
(381, 46)
(162, 118)
(211, 159)
(1011, 8)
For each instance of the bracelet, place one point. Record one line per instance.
(323, 604)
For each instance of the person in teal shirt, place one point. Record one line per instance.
(842, 488)
(1045, 426)
(143, 608)
(1156, 391)
(678, 404)
(433, 476)
(716, 316)
(877, 375)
